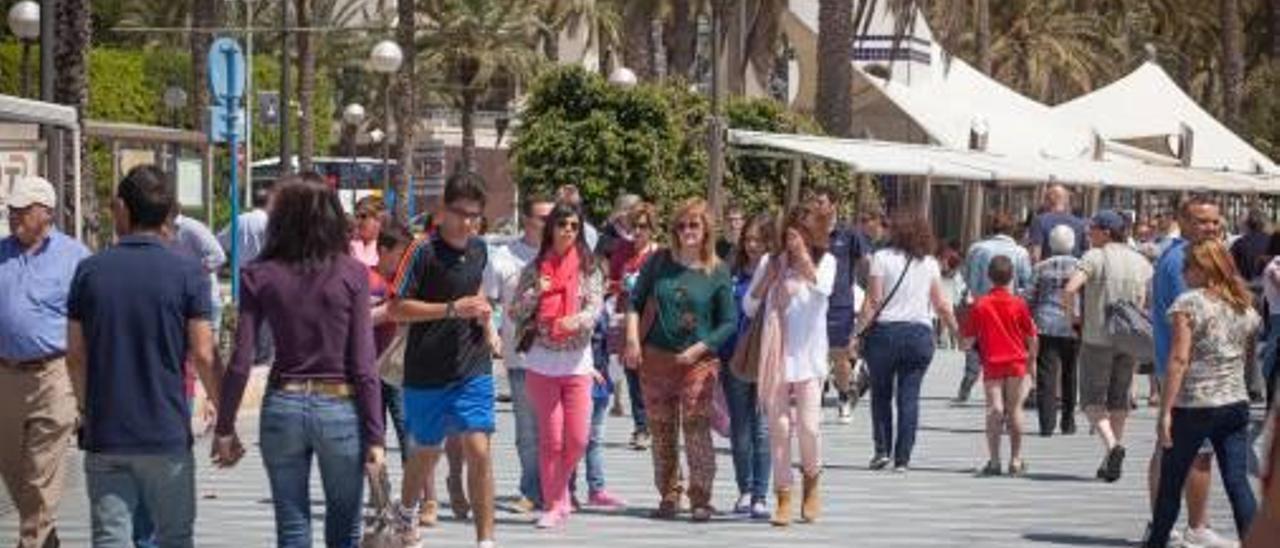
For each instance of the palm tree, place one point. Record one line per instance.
(71, 87)
(306, 86)
(681, 36)
(833, 106)
(406, 11)
(472, 42)
(1232, 61)
(162, 14)
(763, 36)
(982, 34)
(1275, 29)
(637, 36)
(1051, 52)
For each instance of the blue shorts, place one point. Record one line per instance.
(432, 414)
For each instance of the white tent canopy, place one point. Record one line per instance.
(28, 111)
(939, 162)
(1148, 103)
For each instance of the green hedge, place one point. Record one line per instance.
(128, 86)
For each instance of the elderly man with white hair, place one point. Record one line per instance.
(1059, 340)
(1057, 213)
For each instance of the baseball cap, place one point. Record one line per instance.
(27, 191)
(1108, 220)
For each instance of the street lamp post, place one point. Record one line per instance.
(24, 21)
(353, 115)
(385, 59)
(175, 98)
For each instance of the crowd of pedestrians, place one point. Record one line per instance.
(369, 330)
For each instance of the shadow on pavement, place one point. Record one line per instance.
(1076, 540)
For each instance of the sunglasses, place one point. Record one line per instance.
(643, 226)
(566, 223)
(466, 215)
(691, 225)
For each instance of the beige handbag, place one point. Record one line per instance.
(391, 362)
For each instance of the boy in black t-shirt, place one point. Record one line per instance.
(448, 377)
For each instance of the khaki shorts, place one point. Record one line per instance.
(1106, 376)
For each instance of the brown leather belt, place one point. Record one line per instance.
(34, 363)
(319, 387)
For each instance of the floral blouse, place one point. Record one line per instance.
(525, 306)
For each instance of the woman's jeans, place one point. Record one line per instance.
(526, 436)
(1269, 356)
(898, 355)
(563, 408)
(1227, 427)
(595, 449)
(293, 428)
(636, 395)
(748, 435)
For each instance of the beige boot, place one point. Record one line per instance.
(782, 513)
(811, 504)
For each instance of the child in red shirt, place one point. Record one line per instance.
(1001, 324)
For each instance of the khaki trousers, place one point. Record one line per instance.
(37, 416)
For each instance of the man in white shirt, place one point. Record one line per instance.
(505, 264)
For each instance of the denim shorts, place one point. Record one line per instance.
(433, 414)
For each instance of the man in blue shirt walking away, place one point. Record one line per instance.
(136, 426)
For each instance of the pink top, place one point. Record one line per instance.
(366, 253)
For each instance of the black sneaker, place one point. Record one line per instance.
(879, 462)
(1114, 464)
(992, 469)
(1068, 426)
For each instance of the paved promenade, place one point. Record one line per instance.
(938, 503)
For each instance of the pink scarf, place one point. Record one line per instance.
(559, 298)
(773, 369)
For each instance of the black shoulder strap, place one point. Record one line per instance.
(905, 267)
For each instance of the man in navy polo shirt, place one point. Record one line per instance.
(137, 312)
(849, 249)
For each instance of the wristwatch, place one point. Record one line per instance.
(450, 312)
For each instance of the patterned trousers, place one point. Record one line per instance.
(676, 396)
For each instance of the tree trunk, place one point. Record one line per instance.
(405, 113)
(1275, 30)
(1232, 61)
(682, 39)
(306, 88)
(71, 87)
(982, 35)
(637, 39)
(468, 129)
(834, 107)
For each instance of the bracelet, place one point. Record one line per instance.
(449, 312)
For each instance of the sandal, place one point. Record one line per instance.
(992, 469)
(1017, 468)
(665, 510)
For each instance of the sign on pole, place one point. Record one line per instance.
(226, 119)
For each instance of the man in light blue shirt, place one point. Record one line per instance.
(193, 239)
(37, 411)
(999, 243)
(252, 229)
(1199, 219)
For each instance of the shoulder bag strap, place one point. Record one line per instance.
(874, 317)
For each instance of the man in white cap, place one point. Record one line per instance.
(37, 409)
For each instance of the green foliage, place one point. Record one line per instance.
(648, 140)
(127, 85)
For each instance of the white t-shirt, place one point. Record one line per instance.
(912, 302)
(1271, 286)
(500, 277)
(805, 348)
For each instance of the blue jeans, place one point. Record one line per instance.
(526, 437)
(393, 407)
(595, 449)
(293, 428)
(748, 436)
(898, 355)
(638, 415)
(1227, 427)
(120, 485)
(1272, 341)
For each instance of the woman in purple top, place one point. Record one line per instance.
(324, 396)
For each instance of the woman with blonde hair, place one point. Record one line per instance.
(685, 297)
(1205, 392)
(791, 288)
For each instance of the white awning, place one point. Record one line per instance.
(29, 111)
(891, 158)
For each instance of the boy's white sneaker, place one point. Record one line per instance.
(1206, 538)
